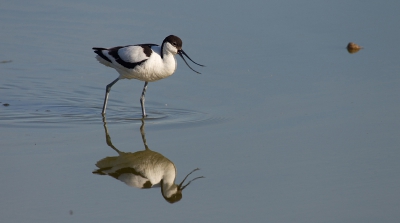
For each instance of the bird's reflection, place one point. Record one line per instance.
(143, 169)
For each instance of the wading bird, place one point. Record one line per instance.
(145, 62)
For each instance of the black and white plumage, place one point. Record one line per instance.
(145, 62)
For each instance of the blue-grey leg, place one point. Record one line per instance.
(142, 99)
(108, 89)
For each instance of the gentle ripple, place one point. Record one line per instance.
(35, 114)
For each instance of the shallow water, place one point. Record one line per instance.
(283, 122)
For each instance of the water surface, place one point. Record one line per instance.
(284, 123)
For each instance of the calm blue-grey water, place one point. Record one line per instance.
(283, 122)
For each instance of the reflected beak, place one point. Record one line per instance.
(181, 53)
(180, 187)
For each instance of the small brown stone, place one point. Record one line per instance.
(353, 47)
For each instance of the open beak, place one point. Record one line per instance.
(180, 187)
(180, 52)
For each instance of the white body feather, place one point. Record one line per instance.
(153, 69)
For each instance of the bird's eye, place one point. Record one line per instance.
(174, 43)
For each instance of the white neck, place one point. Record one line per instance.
(168, 185)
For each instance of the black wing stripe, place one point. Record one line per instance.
(114, 53)
(147, 48)
(129, 170)
(99, 52)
